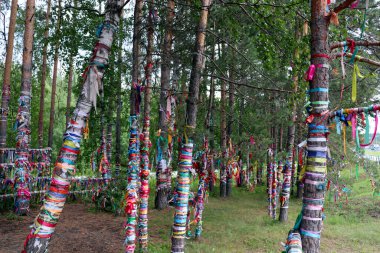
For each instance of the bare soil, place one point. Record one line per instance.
(79, 230)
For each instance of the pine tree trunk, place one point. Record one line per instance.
(69, 90)
(313, 198)
(119, 101)
(43, 78)
(132, 198)
(64, 169)
(162, 166)
(55, 75)
(185, 163)
(22, 165)
(145, 171)
(6, 92)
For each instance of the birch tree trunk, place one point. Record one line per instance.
(6, 91)
(43, 78)
(185, 161)
(55, 74)
(64, 169)
(22, 165)
(69, 89)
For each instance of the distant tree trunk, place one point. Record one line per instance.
(231, 119)
(162, 144)
(69, 90)
(22, 165)
(210, 124)
(43, 78)
(289, 164)
(55, 74)
(6, 92)
(185, 163)
(144, 151)
(46, 221)
(132, 197)
(118, 101)
(223, 144)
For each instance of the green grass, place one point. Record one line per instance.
(241, 224)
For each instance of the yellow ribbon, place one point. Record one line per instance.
(354, 80)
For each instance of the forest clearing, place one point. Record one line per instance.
(189, 126)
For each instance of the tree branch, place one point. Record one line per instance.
(250, 86)
(357, 43)
(343, 6)
(359, 58)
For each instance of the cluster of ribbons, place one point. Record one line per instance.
(131, 196)
(353, 118)
(182, 197)
(293, 243)
(202, 190)
(64, 168)
(162, 171)
(272, 188)
(286, 184)
(22, 164)
(144, 188)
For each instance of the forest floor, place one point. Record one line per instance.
(237, 224)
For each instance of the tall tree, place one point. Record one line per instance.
(43, 78)
(134, 137)
(6, 92)
(64, 169)
(223, 144)
(288, 167)
(231, 117)
(185, 160)
(144, 175)
(161, 201)
(23, 116)
(69, 89)
(55, 74)
(118, 100)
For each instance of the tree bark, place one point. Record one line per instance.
(223, 129)
(119, 101)
(162, 145)
(231, 117)
(144, 151)
(185, 163)
(6, 92)
(22, 165)
(132, 196)
(315, 175)
(289, 164)
(55, 74)
(137, 25)
(43, 78)
(69, 90)
(64, 169)
(210, 124)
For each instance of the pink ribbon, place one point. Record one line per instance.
(355, 4)
(310, 73)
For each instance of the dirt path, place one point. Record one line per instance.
(78, 231)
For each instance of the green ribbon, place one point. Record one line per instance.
(366, 137)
